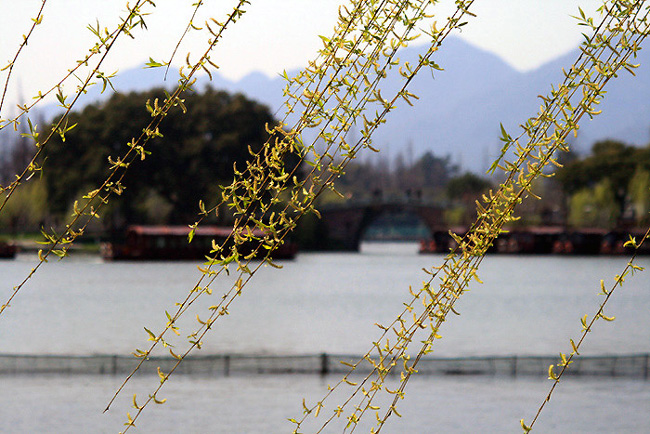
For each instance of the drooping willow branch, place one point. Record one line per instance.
(306, 203)
(371, 23)
(190, 25)
(61, 127)
(135, 17)
(95, 199)
(588, 325)
(10, 66)
(471, 271)
(491, 219)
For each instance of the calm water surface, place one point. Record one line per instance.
(323, 302)
(263, 404)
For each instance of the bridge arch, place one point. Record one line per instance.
(345, 225)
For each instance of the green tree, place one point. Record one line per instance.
(609, 159)
(195, 154)
(432, 171)
(594, 207)
(616, 165)
(425, 178)
(462, 192)
(639, 194)
(27, 211)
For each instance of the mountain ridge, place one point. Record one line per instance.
(460, 109)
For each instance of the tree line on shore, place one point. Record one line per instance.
(608, 188)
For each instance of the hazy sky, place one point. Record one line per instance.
(272, 36)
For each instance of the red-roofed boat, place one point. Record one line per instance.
(171, 243)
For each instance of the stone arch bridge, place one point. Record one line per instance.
(345, 225)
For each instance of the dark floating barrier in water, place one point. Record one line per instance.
(635, 365)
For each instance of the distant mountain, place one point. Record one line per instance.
(460, 108)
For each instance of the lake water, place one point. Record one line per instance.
(323, 302)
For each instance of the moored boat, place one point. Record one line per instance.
(171, 243)
(8, 250)
(548, 240)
